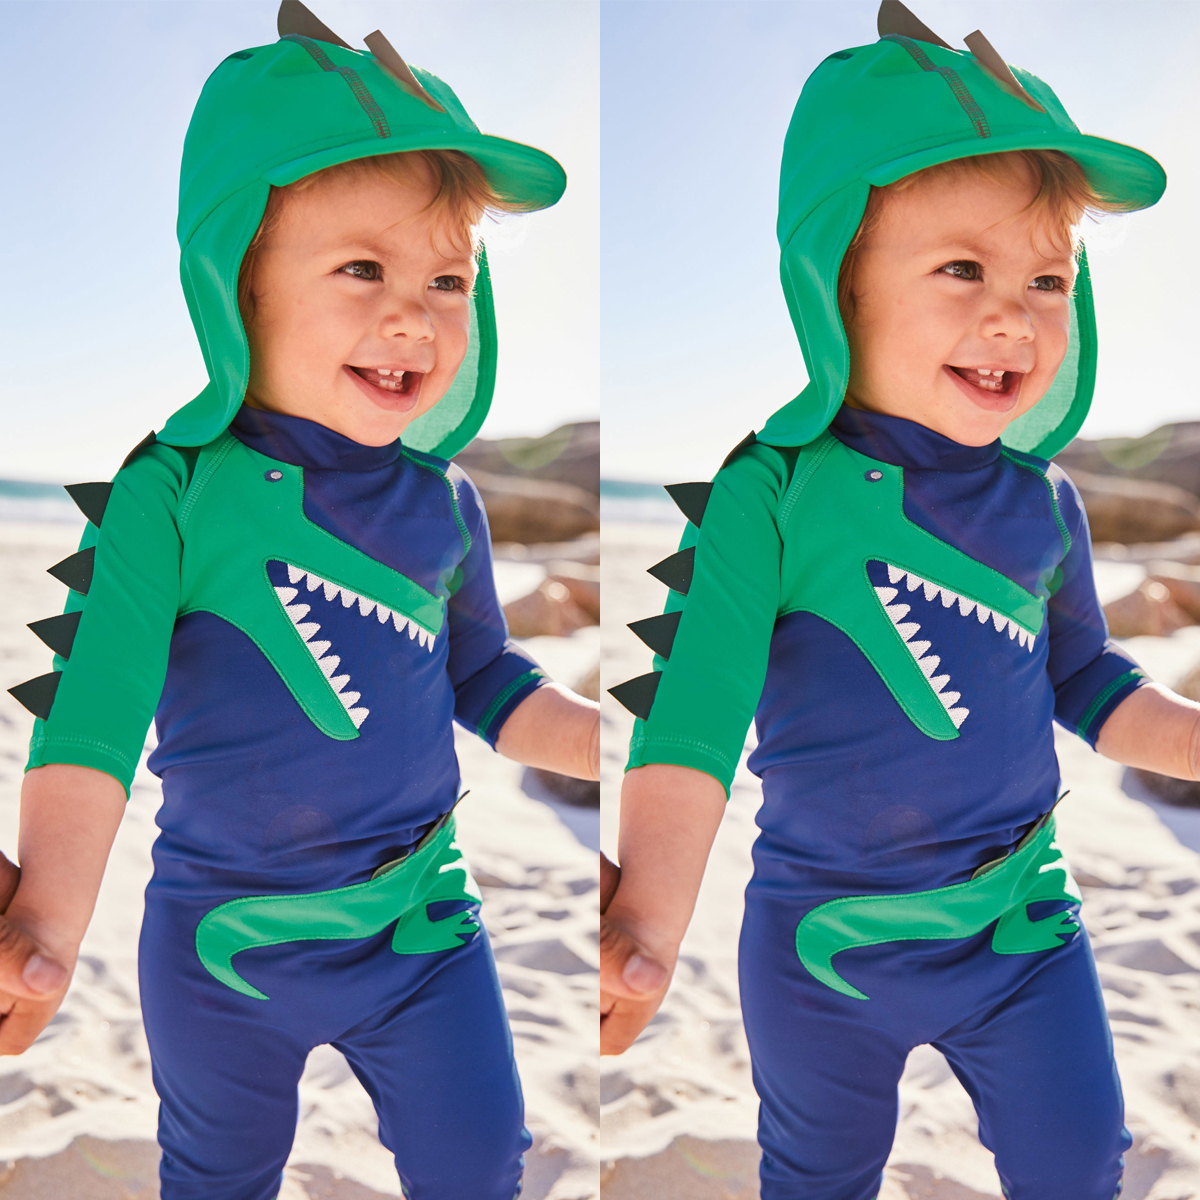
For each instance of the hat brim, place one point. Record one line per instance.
(519, 173)
(1122, 174)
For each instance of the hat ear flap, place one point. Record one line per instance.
(295, 18)
(895, 18)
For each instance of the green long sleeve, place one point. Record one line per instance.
(113, 677)
(713, 677)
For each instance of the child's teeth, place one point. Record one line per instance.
(382, 371)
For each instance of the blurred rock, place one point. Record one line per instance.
(1132, 510)
(585, 549)
(1182, 581)
(583, 582)
(1169, 454)
(548, 611)
(1185, 549)
(569, 454)
(532, 510)
(1148, 610)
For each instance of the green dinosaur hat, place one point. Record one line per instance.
(873, 114)
(272, 114)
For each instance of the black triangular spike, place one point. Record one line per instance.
(676, 571)
(637, 695)
(658, 632)
(895, 18)
(748, 440)
(691, 499)
(91, 499)
(58, 632)
(148, 440)
(988, 58)
(37, 694)
(293, 17)
(76, 571)
(389, 59)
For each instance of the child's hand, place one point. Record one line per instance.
(32, 984)
(669, 817)
(632, 983)
(69, 816)
(556, 730)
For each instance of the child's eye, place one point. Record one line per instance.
(1051, 283)
(963, 269)
(363, 269)
(452, 283)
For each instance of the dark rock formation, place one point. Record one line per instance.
(569, 454)
(1134, 510)
(1169, 454)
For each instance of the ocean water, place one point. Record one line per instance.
(622, 500)
(23, 501)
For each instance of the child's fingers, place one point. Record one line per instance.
(10, 876)
(626, 970)
(610, 876)
(19, 1029)
(26, 971)
(620, 1027)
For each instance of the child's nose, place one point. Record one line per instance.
(405, 316)
(1009, 319)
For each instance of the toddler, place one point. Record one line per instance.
(893, 579)
(296, 584)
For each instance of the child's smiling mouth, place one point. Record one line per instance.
(394, 388)
(993, 388)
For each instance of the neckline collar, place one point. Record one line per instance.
(304, 443)
(904, 443)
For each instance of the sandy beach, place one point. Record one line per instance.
(78, 1111)
(678, 1109)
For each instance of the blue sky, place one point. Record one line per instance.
(650, 293)
(95, 343)
(697, 346)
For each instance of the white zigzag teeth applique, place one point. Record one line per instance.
(333, 591)
(909, 629)
(319, 650)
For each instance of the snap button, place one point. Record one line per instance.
(873, 476)
(273, 476)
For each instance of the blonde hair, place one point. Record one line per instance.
(464, 193)
(1064, 194)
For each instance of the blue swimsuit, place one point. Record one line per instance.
(259, 802)
(860, 802)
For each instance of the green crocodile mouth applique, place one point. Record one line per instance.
(243, 512)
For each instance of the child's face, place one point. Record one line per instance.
(957, 279)
(359, 279)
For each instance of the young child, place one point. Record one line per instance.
(296, 583)
(897, 584)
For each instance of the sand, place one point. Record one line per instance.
(678, 1109)
(78, 1110)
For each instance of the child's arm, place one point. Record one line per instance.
(555, 729)
(669, 818)
(69, 817)
(1155, 729)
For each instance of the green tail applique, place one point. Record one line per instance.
(402, 893)
(1035, 871)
